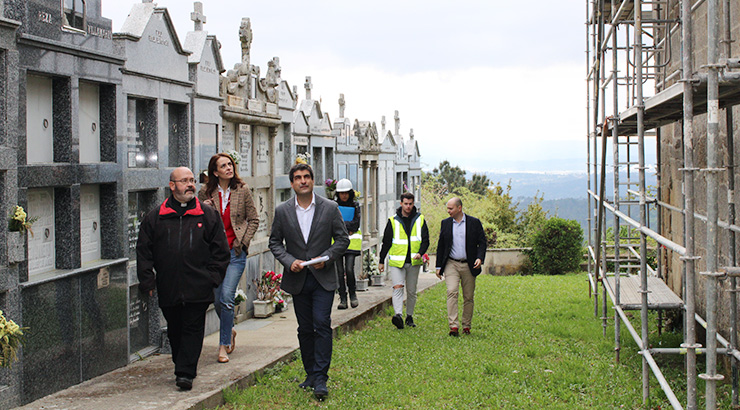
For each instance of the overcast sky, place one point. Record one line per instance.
(487, 85)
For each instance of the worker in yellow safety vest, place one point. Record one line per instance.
(350, 209)
(405, 240)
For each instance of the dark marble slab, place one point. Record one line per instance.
(77, 329)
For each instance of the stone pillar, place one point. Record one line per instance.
(365, 208)
(374, 188)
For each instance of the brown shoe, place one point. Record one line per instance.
(466, 330)
(454, 332)
(233, 342)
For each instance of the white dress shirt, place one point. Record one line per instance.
(458, 240)
(225, 196)
(305, 216)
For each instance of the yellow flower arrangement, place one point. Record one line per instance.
(19, 221)
(11, 338)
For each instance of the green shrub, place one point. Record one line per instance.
(556, 247)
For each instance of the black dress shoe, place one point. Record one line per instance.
(320, 391)
(184, 383)
(398, 321)
(306, 384)
(410, 321)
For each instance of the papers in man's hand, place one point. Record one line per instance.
(315, 261)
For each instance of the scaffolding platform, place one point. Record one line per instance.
(661, 297)
(666, 107)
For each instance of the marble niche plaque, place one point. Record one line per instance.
(262, 150)
(245, 149)
(260, 202)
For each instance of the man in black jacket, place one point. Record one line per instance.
(182, 251)
(461, 251)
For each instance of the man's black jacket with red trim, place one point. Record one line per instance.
(183, 251)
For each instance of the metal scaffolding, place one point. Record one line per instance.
(633, 46)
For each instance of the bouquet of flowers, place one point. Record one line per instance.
(302, 158)
(11, 338)
(280, 300)
(19, 221)
(369, 265)
(239, 296)
(425, 261)
(331, 187)
(268, 285)
(235, 156)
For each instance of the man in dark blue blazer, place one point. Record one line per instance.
(461, 251)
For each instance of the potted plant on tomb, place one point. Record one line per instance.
(370, 268)
(362, 280)
(267, 286)
(280, 300)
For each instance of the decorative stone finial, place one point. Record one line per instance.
(397, 119)
(197, 16)
(411, 133)
(308, 87)
(341, 105)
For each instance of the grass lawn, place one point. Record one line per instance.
(535, 344)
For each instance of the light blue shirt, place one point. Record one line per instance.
(458, 239)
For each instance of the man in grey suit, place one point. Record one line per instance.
(303, 230)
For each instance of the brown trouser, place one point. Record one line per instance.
(457, 273)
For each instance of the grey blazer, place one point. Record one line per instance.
(287, 243)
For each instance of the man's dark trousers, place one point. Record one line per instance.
(186, 325)
(313, 312)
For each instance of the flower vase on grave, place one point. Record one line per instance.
(377, 280)
(361, 284)
(263, 308)
(16, 247)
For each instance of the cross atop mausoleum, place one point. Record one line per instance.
(245, 37)
(382, 126)
(341, 105)
(197, 16)
(397, 119)
(308, 87)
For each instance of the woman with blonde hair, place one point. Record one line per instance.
(229, 195)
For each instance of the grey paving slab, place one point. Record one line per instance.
(260, 344)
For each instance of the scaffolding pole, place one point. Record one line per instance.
(688, 189)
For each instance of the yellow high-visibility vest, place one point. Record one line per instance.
(400, 246)
(355, 241)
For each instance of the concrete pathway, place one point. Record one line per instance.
(260, 344)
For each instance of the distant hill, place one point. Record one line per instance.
(555, 185)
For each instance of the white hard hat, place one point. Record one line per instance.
(344, 185)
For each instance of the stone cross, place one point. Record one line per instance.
(341, 105)
(308, 86)
(411, 133)
(147, 1)
(382, 126)
(197, 16)
(245, 36)
(398, 123)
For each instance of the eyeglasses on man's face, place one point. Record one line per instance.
(186, 181)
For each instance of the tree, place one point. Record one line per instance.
(479, 184)
(451, 177)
